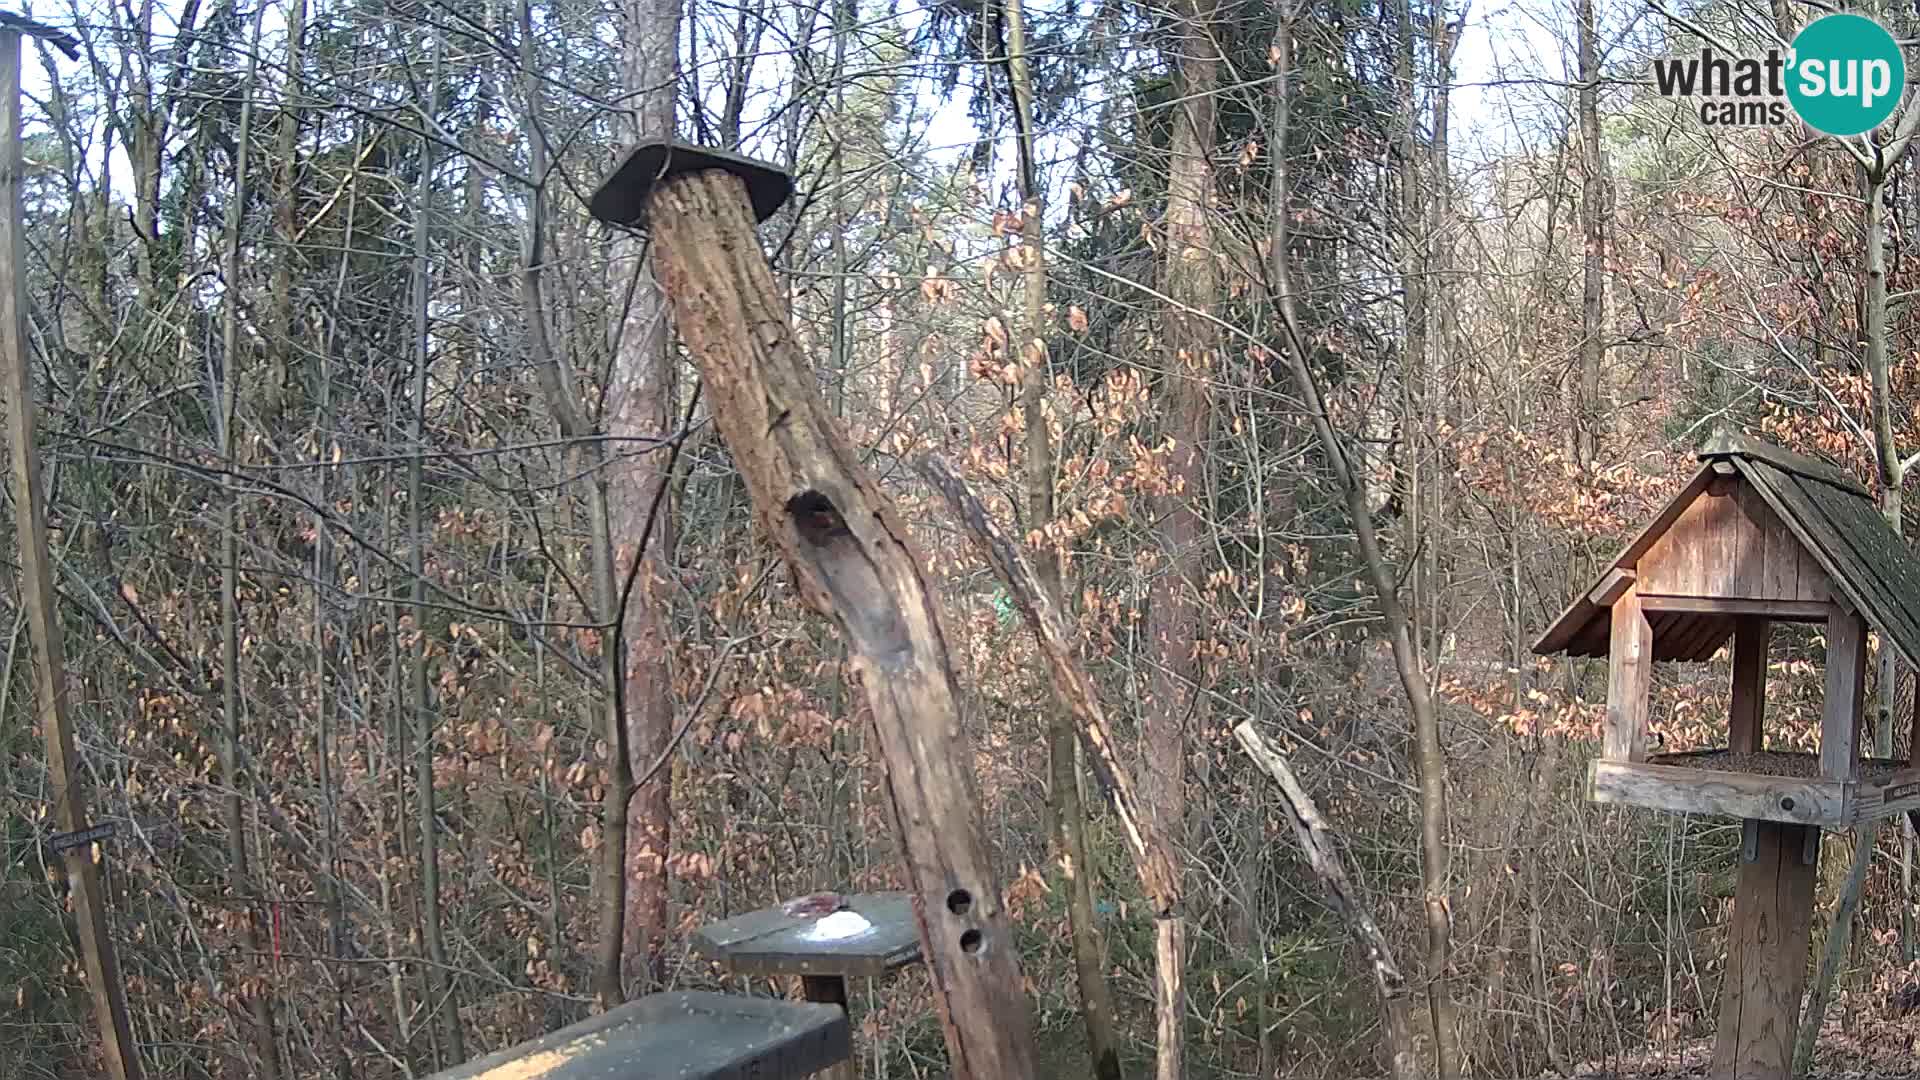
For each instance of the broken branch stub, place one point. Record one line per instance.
(1316, 840)
(853, 561)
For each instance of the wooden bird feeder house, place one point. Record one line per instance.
(1759, 535)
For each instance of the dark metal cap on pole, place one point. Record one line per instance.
(622, 198)
(61, 40)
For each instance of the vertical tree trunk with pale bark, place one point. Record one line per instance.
(259, 1001)
(1069, 815)
(640, 405)
(1189, 340)
(1589, 409)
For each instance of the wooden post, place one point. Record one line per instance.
(1773, 903)
(1846, 690)
(43, 622)
(829, 990)
(1751, 634)
(1629, 675)
(852, 559)
(1767, 956)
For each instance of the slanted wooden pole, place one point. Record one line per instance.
(36, 588)
(854, 561)
(1152, 859)
(1316, 842)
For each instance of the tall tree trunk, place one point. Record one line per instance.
(1429, 757)
(1892, 476)
(259, 1002)
(564, 403)
(1414, 198)
(1590, 411)
(1069, 815)
(640, 405)
(1399, 1039)
(1190, 280)
(1437, 407)
(285, 212)
(420, 701)
(67, 801)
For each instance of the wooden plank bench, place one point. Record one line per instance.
(681, 1035)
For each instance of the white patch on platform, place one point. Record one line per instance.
(838, 926)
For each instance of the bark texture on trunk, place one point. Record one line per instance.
(641, 405)
(854, 560)
(1191, 281)
(1589, 409)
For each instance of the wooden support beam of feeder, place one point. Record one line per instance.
(1616, 582)
(1767, 954)
(1629, 676)
(1751, 635)
(1842, 710)
(1913, 728)
(852, 559)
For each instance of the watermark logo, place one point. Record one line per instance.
(1843, 76)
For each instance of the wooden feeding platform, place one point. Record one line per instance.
(772, 942)
(826, 939)
(684, 1035)
(1759, 535)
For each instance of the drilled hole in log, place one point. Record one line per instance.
(970, 941)
(959, 901)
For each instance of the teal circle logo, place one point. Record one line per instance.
(1846, 74)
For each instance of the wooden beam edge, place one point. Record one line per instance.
(1678, 790)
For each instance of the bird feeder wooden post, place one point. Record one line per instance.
(852, 560)
(1759, 536)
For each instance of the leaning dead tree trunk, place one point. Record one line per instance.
(852, 560)
(1317, 841)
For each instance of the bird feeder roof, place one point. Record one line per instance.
(1815, 514)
